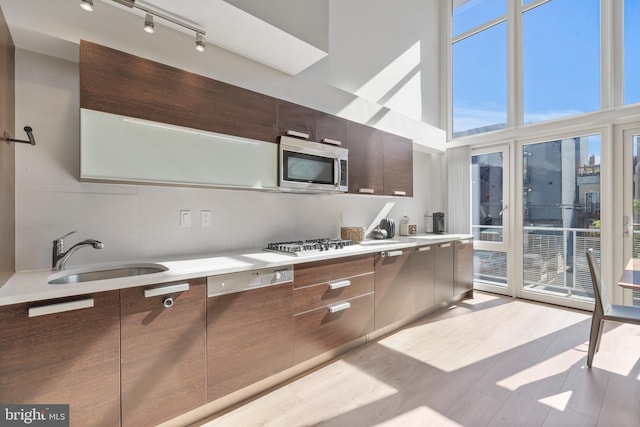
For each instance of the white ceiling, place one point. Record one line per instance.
(372, 61)
(44, 25)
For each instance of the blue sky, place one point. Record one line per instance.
(561, 61)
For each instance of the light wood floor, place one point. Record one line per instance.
(489, 361)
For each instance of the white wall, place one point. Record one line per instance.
(140, 222)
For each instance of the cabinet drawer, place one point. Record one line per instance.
(312, 273)
(320, 330)
(323, 294)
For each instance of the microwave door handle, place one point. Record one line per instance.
(336, 175)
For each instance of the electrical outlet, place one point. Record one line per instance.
(185, 218)
(205, 218)
(343, 217)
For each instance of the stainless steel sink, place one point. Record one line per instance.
(114, 272)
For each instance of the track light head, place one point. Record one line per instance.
(148, 23)
(87, 5)
(200, 43)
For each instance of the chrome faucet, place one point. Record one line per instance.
(60, 257)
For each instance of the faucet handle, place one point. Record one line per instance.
(64, 236)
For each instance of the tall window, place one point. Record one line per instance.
(561, 59)
(518, 62)
(479, 33)
(631, 51)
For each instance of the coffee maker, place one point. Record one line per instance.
(438, 223)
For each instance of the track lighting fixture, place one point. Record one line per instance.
(86, 5)
(148, 23)
(148, 20)
(200, 43)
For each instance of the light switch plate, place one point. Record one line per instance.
(185, 218)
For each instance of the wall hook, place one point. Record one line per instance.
(6, 137)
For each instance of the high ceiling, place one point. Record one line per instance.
(44, 25)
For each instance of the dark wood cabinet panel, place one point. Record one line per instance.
(366, 165)
(70, 357)
(163, 361)
(294, 117)
(331, 127)
(394, 288)
(249, 337)
(423, 276)
(319, 331)
(463, 266)
(311, 273)
(320, 295)
(120, 83)
(443, 272)
(398, 165)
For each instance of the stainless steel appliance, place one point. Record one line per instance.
(306, 166)
(307, 247)
(438, 222)
(245, 280)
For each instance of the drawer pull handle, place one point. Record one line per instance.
(331, 141)
(424, 248)
(341, 306)
(464, 242)
(61, 307)
(399, 193)
(180, 287)
(366, 190)
(445, 245)
(297, 134)
(340, 284)
(390, 253)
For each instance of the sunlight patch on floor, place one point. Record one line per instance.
(420, 416)
(457, 348)
(558, 401)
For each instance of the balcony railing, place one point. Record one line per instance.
(554, 259)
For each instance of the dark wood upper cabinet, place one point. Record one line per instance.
(331, 127)
(398, 165)
(120, 83)
(294, 117)
(366, 164)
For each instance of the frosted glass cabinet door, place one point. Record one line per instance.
(124, 149)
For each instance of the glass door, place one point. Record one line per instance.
(489, 219)
(631, 217)
(560, 218)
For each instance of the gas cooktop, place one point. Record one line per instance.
(306, 247)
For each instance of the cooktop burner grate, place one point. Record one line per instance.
(305, 247)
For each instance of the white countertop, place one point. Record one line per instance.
(31, 286)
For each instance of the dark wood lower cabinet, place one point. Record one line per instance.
(66, 357)
(163, 352)
(321, 330)
(422, 277)
(249, 337)
(463, 261)
(394, 288)
(333, 304)
(443, 272)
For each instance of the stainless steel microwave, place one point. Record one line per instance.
(306, 166)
